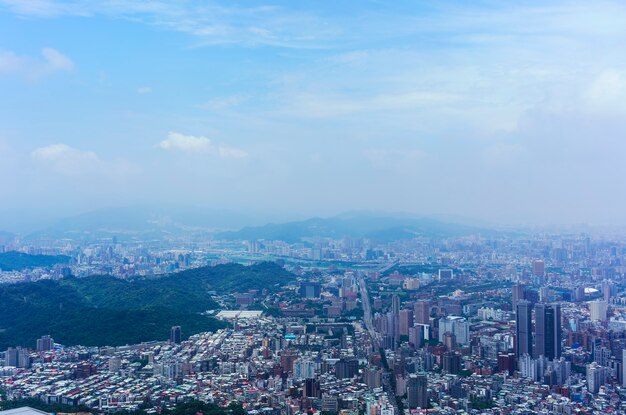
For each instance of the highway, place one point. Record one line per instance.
(367, 314)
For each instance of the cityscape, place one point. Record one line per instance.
(529, 323)
(274, 207)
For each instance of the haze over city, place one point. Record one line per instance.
(507, 112)
(303, 207)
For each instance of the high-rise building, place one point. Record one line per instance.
(395, 304)
(310, 289)
(456, 325)
(417, 391)
(608, 290)
(373, 378)
(598, 310)
(23, 358)
(406, 322)
(45, 343)
(449, 340)
(548, 331)
(517, 294)
(304, 368)
(596, 376)
(287, 359)
(175, 335)
(416, 336)
(539, 268)
(451, 362)
(346, 368)
(506, 363)
(422, 312)
(523, 328)
(602, 355)
(10, 357)
(311, 388)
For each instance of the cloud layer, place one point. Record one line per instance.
(198, 145)
(33, 68)
(505, 111)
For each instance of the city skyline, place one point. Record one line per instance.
(511, 113)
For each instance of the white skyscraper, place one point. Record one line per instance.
(598, 310)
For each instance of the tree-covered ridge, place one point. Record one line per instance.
(102, 310)
(18, 261)
(229, 278)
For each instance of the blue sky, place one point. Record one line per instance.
(512, 112)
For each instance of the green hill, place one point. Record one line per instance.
(18, 261)
(102, 310)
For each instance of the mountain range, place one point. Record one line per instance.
(159, 222)
(380, 227)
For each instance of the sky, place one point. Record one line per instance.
(508, 112)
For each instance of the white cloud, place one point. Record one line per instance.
(186, 143)
(144, 90)
(231, 152)
(64, 158)
(32, 68)
(56, 61)
(70, 161)
(199, 144)
(607, 92)
(209, 22)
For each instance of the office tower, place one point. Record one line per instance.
(598, 310)
(392, 326)
(417, 391)
(608, 290)
(602, 355)
(548, 331)
(416, 336)
(422, 312)
(596, 376)
(10, 357)
(23, 358)
(449, 340)
(287, 359)
(411, 391)
(406, 321)
(539, 268)
(455, 325)
(523, 328)
(373, 378)
(506, 363)
(309, 289)
(517, 294)
(395, 305)
(304, 368)
(346, 368)
(45, 343)
(312, 388)
(451, 363)
(175, 335)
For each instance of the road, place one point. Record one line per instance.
(367, 314)
(375, 336)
